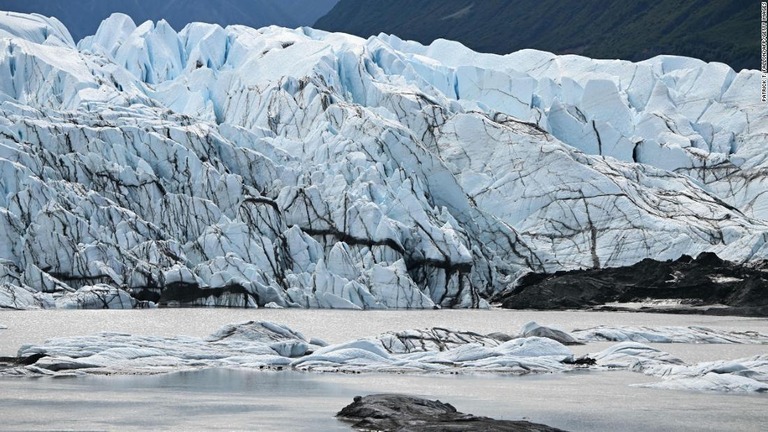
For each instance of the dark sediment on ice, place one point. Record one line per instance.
(20, 361)
(704, 285)
(395, 412)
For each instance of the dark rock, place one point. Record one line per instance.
(30, 360)
(697, 283)
(581, 361)
(395, 412)
(22, 361)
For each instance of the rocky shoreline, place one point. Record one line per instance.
(706, 284)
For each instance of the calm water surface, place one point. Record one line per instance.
(271, 401)
(220, 399)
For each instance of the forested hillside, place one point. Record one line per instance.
(726, 31)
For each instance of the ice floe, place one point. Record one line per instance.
(740, 375)
(266, 345)
(251, 344)
(668, 334)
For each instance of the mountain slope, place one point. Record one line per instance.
(299, 168)
(82, 17)
(721, 31)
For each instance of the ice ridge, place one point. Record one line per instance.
(298, 168)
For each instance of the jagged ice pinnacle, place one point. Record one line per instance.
(298, 168)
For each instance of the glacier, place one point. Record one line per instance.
(282, 167)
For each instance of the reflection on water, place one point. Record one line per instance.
(271, 401)
(204, 400)
(277, 401)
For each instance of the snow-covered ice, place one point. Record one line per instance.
(297, 168)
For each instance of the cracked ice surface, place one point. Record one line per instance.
(298, 168)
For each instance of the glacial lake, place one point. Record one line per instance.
(222, 399)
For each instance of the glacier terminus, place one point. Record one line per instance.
(282, 167)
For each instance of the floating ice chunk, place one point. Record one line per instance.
(290, 348)
(256, 331)
(56, 364)
(534, 346)
(250, 344)
(711, 382)
(264, 344)
(741, 375)
(434, 339)
(666, 334)
(362, 353)
(636, 357)
(533, 329)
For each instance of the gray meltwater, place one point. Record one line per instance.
(270, 401)
(221, 399)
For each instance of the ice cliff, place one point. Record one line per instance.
(298, 168)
